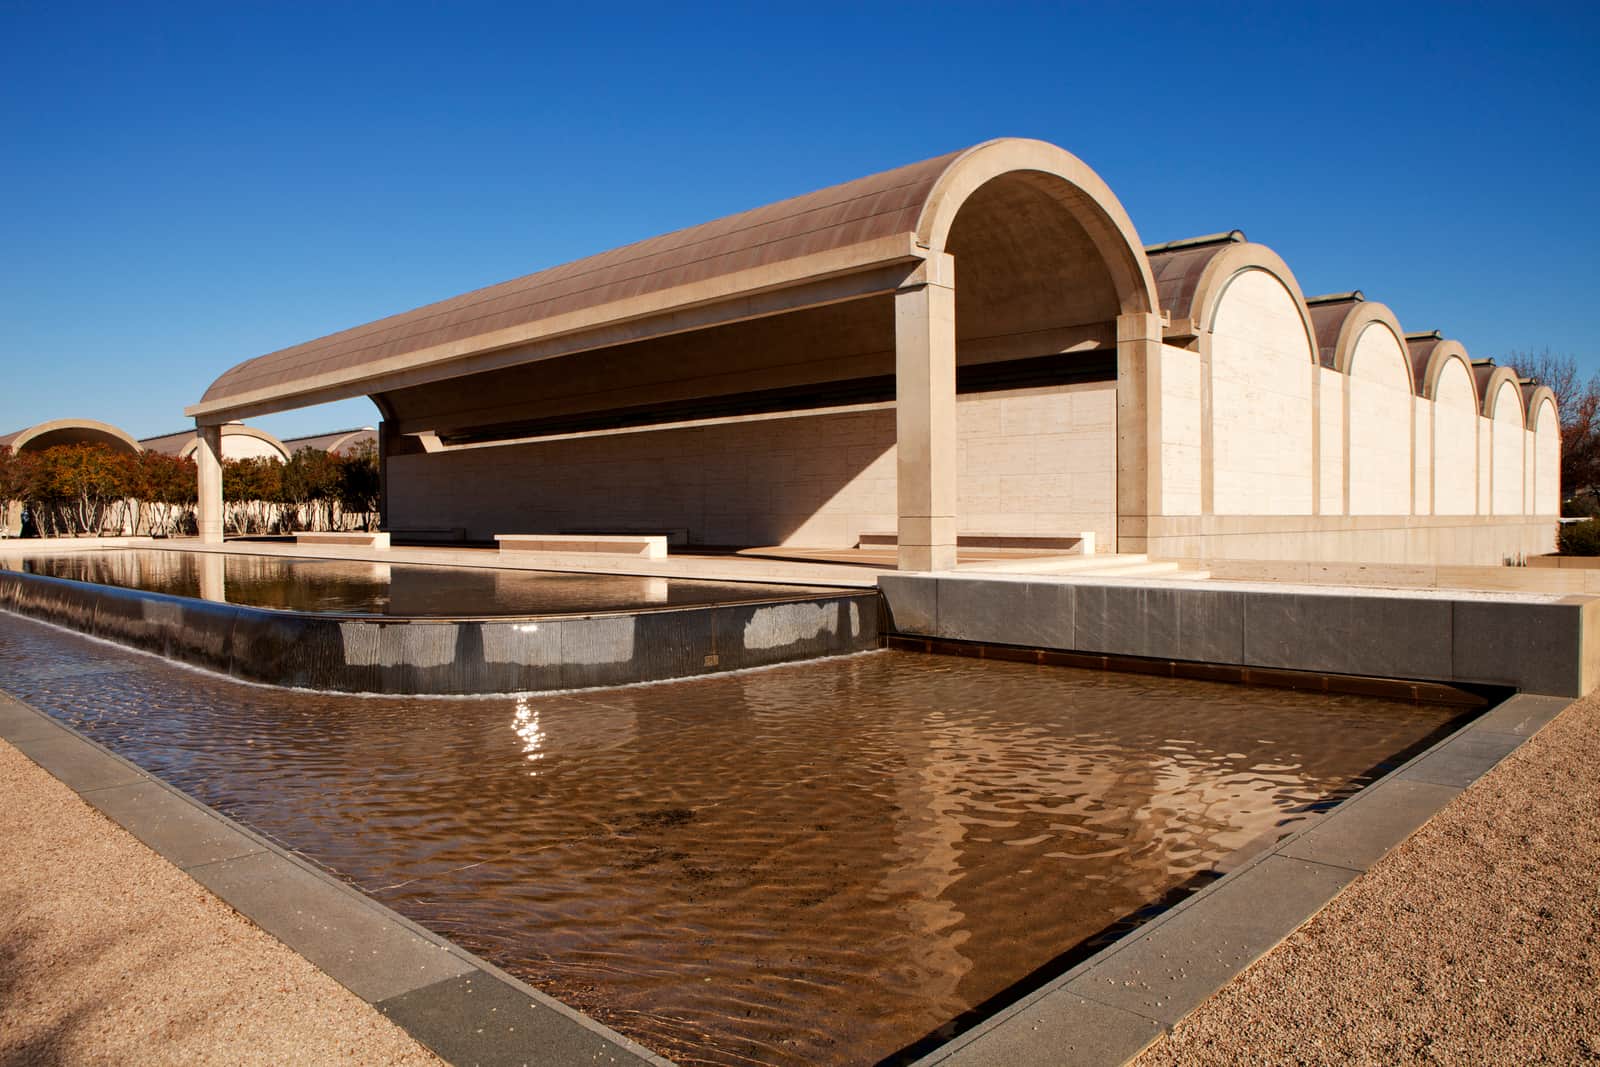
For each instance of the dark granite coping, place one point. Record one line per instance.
(463, 1008)
(1111, 1007)
(802, 593)
(509, 654)
(1417, 692)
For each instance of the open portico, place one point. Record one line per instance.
(854, 359)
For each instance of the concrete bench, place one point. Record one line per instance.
(1081, 543)
(647, 546)
(675, 535)
(353, 538)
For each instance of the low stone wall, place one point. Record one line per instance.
(1548, 645)
(1534, 578)
(452, 656)
(1558, 562)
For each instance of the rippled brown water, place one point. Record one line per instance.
(818, 863)
(349, 587)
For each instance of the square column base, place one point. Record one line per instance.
(926, 558)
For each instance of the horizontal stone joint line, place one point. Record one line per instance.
(142, 780)
(224, 859)
(1163, 1027)
(1330, 866)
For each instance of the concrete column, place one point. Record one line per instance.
(925, 416)
(1138, 428)
(208, 457)
(384, 444)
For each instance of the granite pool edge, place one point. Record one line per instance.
(458, 1005)
(405, 656)
(1111, 1007)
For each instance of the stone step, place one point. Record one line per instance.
(1054, 564)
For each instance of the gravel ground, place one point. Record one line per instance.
(1475, 942)
(111, 955)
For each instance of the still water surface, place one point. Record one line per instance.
(349, 587)
(817, 863)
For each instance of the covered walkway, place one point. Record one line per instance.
(789, 375)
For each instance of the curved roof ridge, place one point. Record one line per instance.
(1535, 393)
(1429, 352)
(184, 442)
(18, 438)
(1490, 377)
(333, 440)
(1339, 321)
(716, 271)
(1191, 277)
(887, 202)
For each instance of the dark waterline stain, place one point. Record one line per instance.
(834, 862)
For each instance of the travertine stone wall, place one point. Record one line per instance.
(1422, 539)
(1380, 425)
(1530, 456)
(1030, 461)
(1181, 415)
(816, 480)
(1455, 444)
(1261, 373)
(1506, 446)
(1422, 457)
(1037, 461)
(1330, 391)
(1485, 434)
(1394, 476)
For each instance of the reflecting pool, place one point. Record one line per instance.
(819, 863)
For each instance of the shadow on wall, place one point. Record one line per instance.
(814, 479)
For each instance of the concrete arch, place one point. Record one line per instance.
(1491, 381)
(1379, 417)
(1537, 395)
(184, 443)
(237, 430)
(1200, 277)
(1046, 262)
(1066, 179)
(1429, 358)
(45, 435)
(1339, 328)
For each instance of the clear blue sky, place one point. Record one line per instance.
(188, 186)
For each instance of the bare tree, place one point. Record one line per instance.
(1578, 406)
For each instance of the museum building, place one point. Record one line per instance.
(977, 346)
